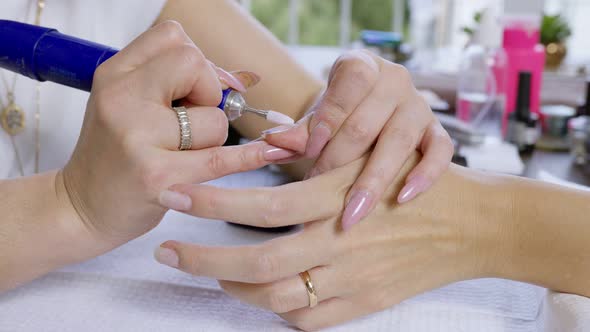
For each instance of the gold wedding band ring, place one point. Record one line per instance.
(186, 138)
(313, 298)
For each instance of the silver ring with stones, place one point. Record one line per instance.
(186, 137)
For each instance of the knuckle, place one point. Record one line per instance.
(275, 210)
(191, 58)
(404, 138)
(400, 73)
(216, 164)
(399, 77)
(333, 108)
(357, 131)
(266, 267)
(248, 159)
(360, 67)
(172, 31)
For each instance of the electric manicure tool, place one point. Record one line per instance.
(45, 54)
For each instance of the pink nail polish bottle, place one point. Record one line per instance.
(521, 41)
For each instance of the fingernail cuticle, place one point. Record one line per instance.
(320, 135)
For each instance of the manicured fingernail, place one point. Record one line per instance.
(276, 130)
(174, 200)
(273, 153)
(357, 208)
(248, 78)
(229, 80)
(320, 135)
(166, 256)
(413, 188)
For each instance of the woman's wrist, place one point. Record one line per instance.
(548, 242)
(472, 213)
(41, 230)
(83, 240)
(523, 229)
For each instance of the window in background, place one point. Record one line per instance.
(320, 20)
(576, 12)
(274, 14)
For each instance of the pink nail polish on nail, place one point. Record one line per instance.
(413, 188)
(273, 153)
(320, 135)
(167, 257)
(357, 208)
(230, 80)
(174, 200)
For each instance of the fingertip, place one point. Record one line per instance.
(170, 244)
(291, 137)
(166, 254)
(357, 208)
(415, 185)
(319, 137)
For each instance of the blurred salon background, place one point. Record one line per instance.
(509, 79)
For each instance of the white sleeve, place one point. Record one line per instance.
(128, 19)
(6, 155)
(111, 22)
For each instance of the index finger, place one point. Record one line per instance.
(289, 204)
(272, 260)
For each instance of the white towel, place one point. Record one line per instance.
(126, 290)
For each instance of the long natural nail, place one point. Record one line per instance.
(357, 208)
(276, 130)
(174, 200)
(230, 80)
(413, 188)
(248, 78)
(167, 257)
(320, 135)
(273, 153)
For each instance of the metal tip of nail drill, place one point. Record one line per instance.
(256, 111)
(271, 116)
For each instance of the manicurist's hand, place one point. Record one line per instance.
(397, 252)
(370, 102)
(128, 152)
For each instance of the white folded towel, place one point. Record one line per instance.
(126, 290)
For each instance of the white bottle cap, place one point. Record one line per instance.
(489, 33)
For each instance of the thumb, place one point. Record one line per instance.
(291, 137)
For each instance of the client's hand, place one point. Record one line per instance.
(127, 154)
(370, 101)
(398, 252)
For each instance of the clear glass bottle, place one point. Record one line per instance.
(481, 90)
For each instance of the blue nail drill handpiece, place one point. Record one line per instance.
(45, 54)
